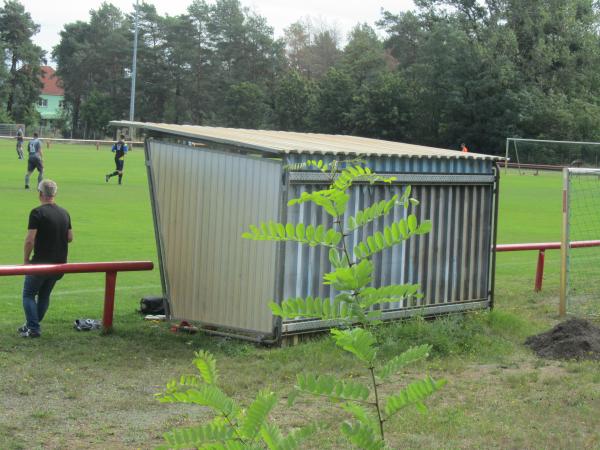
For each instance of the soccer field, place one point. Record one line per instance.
(530, 207)
(110, 223)
(530, 211)
(71, 390)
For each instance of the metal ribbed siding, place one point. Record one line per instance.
(391, 164)
(204, 200)
(451, 263)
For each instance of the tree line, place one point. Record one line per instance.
(445, 72)
(19, 74)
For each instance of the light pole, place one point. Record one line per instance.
(133, 72)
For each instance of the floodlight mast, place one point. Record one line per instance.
(133, 71)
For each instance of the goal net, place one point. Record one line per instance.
(532, 155)
(580, 251)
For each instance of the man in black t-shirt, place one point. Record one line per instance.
(48, 235)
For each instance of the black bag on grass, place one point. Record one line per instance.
(152, 305)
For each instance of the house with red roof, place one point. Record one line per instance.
(52, 97)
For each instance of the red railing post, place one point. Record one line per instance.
(539, 273)
(109, 301)
(542, 247)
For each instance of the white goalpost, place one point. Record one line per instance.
(580, 243)
(549, 154)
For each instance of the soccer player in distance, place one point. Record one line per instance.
(35, 160)
(48, 235)
(120, 149)
(20, 143)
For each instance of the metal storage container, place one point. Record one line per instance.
(208, 184)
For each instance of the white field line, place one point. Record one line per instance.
(60, 292)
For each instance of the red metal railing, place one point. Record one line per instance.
(542, 247)
(110, 268)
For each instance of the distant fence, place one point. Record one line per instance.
(10, 129)
(96, 142)
(537, 167)
(534, 167)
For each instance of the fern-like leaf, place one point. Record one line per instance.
(371, 213)
(206, 395)
(257, 414)
(207, 366)
(357, 341)
(362, 415)
(313, 236)
(198, 436)
(232, 444)
(274, 439)
(362, 436)
(414, 394)
(370, 296)
(331, 387)
(337, 261)
(346, 177)
(410, 356)
(294, 439)
(183, 381)
(271, 435)
(319, 164)
(350, 278)
(313, 307)
(333, 201)
(392, 235)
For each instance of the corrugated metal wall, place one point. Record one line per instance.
(451, 263)
(401, 164)
(204, 200)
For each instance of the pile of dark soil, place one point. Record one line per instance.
(572, 339)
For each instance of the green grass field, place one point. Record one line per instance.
(530, 211)
(71, 390)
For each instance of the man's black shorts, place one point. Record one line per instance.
(120, 163)
(34, 162)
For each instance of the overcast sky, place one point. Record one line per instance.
(52, 15)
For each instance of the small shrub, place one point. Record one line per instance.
(233, 427)
(357, 303)
(356, 309)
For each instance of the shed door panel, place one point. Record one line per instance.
(204, 201)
